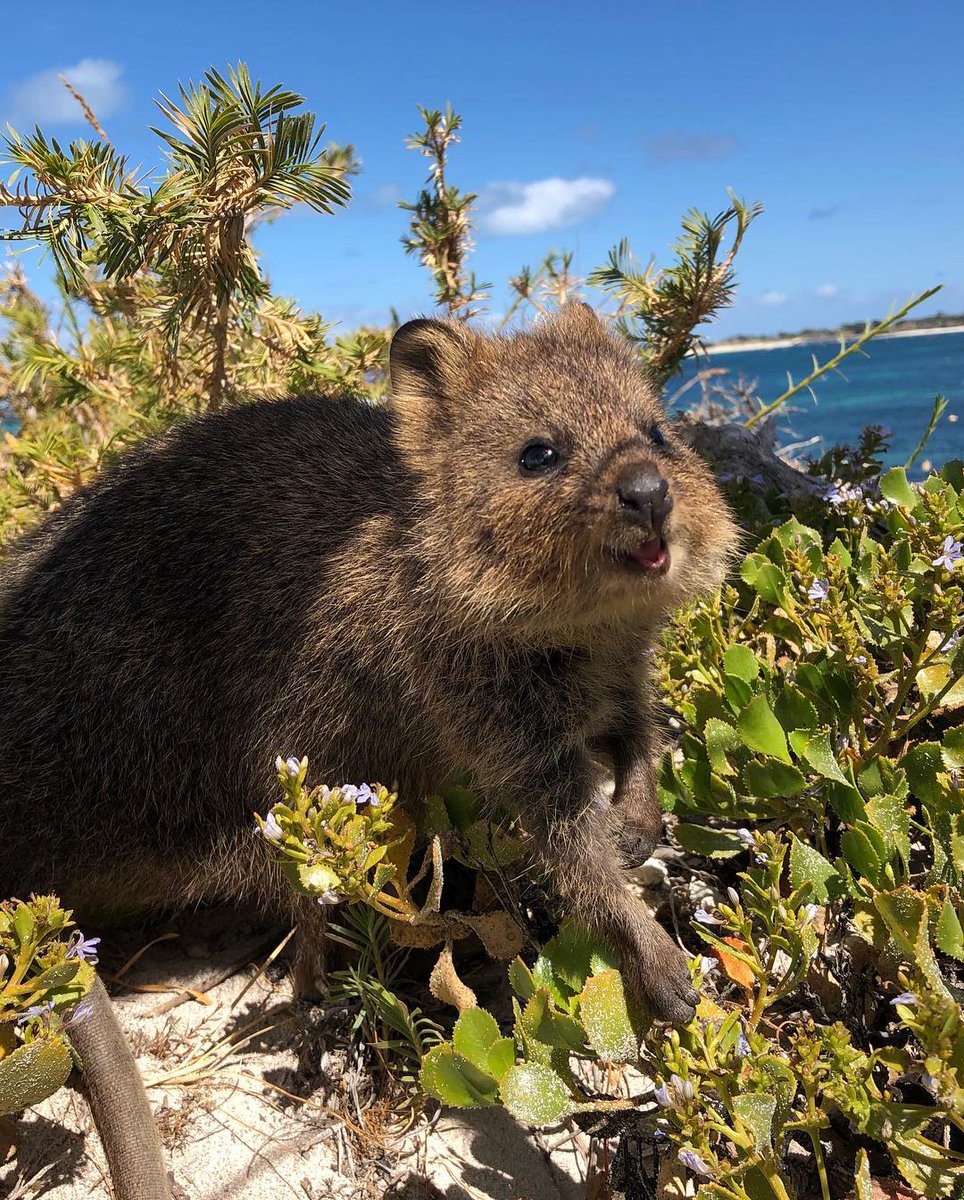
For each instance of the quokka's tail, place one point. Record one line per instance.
(119, 1103)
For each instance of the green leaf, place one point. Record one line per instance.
(33, 1072)
(934, 679)
(474, 1035)
(569, 955)
(809, 866)
(547, 1025)
(737, 691)
(953, 748)
(712, 843)
(24, 922)
(920, 1161)
(949, 935)
(815, 749)
(860, 853)
(720, 737)
(894, 485)
(535, 1094)
(760, 730)
(314, 879)
(520, 979)
(773, 778)
(905, 913)
(462, 806)
(453, 1079)
(888, 815)
(741, 662)
(755, 1110)
(605, 1015)
(863, 1180)
(502, 1055)
(765, 577)
(794, 710)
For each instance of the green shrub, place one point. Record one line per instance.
(44, 976)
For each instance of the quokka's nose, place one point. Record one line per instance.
(644, 497)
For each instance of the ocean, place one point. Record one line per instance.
(894, 386)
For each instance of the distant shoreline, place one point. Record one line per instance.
(731, 347)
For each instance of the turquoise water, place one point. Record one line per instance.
(893, 386)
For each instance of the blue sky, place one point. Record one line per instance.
(582, 124)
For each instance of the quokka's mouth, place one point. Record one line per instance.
(651, 557)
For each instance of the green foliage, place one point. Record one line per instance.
(45, 971)
(440, 225)
(821, 752)
(333, 843)
(659, 310)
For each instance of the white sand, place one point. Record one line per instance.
(778, 343)
(230, 1133)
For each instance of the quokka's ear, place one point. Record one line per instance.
(577, 315)
(429, 363)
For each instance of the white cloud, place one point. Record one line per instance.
(543, 204)
(827, 289)
(773, 298)
(42, 98)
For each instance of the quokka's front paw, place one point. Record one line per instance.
(658, 975)
(637, 841)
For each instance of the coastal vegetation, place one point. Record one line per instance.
(813, 783)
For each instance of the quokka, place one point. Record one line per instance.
(467, 578)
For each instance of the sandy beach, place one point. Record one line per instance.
(780, 343)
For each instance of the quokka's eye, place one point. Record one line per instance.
(538, 457)
(657, 437)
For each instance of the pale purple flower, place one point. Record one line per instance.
(271, 829)
(725, 477)
(746, 837)
(733, 894)
(949, 555)
(692, 1161)
(952, 640)
(36, 1010)
(704, 917)
(818, 590)
(860, 659)
(83, 948)
(674, 1093)
(80, 1013)
(330, 897)
(742, 1046)
(840, 493)
(708, 966)
(366, 795)
(293, 766)
(908, 998)
(349, 792)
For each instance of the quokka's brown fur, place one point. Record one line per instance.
(385, 590)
